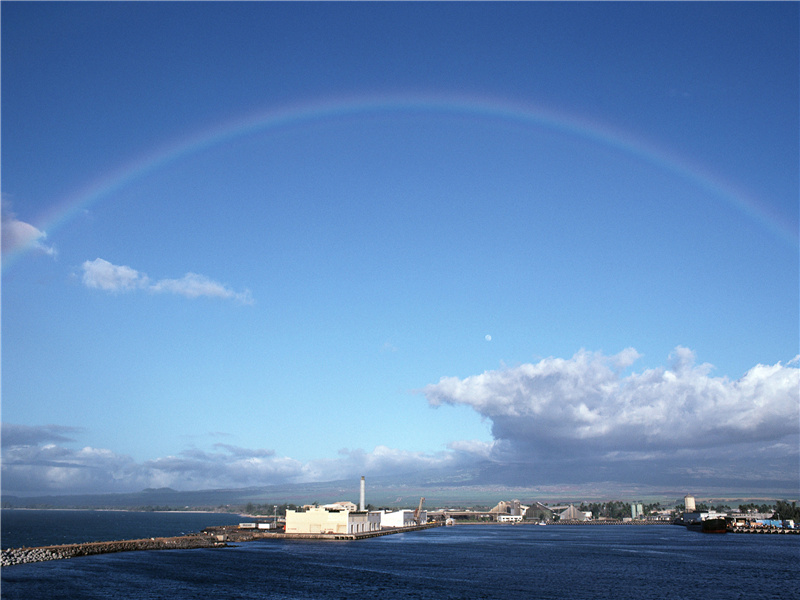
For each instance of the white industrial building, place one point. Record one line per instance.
(402, 518)
(509, 518)
(339, 517)
(318, 519)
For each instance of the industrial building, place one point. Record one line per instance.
(402, 518)
(318, 519)
(573, 514)
(506, 512)
(509, 518)
(339, 517)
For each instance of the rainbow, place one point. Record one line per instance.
(487, 108)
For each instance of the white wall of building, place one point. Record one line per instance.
(317, 520)
(509, 518)
(402, 518)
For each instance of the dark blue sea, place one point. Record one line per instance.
(463, 562)
(31, 528)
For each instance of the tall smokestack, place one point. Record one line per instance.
(361, 498)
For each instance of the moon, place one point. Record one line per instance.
(487, 337)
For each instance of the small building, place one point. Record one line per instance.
(509, 518)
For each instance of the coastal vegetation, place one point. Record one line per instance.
(785, 511)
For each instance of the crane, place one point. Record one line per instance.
(418, 512)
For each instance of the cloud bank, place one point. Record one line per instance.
(560, 421)
(103, 275)
(39, 460)
(583, 416)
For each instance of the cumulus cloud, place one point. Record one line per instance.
(19, 235)
(103, 275)
(573, 417)
(54, 468)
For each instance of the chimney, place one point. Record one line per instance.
(361, 498)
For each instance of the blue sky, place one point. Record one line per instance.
(254, 243)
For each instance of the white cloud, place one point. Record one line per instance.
(548, 413)
(193, 285)
(18, 235)
(52, 468)
(475, 448)
(101, 274)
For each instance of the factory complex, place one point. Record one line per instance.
(346, 518)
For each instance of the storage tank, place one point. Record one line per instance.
(688, 502)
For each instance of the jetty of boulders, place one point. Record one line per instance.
(17, 556)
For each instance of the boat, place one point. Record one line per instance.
(713, 525)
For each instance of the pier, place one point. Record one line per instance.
(17, 556)
(764, 530)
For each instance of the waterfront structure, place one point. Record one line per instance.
(513, 508)
(573, 514)
(509, 518)
(401, 518)
(539, 512)
(318, 519)
(637, 512)
(688, 503)
(338, 517)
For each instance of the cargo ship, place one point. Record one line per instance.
(714, 525)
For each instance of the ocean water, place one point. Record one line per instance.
(31, 528)
(461, 562)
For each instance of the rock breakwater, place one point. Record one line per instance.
(18, 556)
